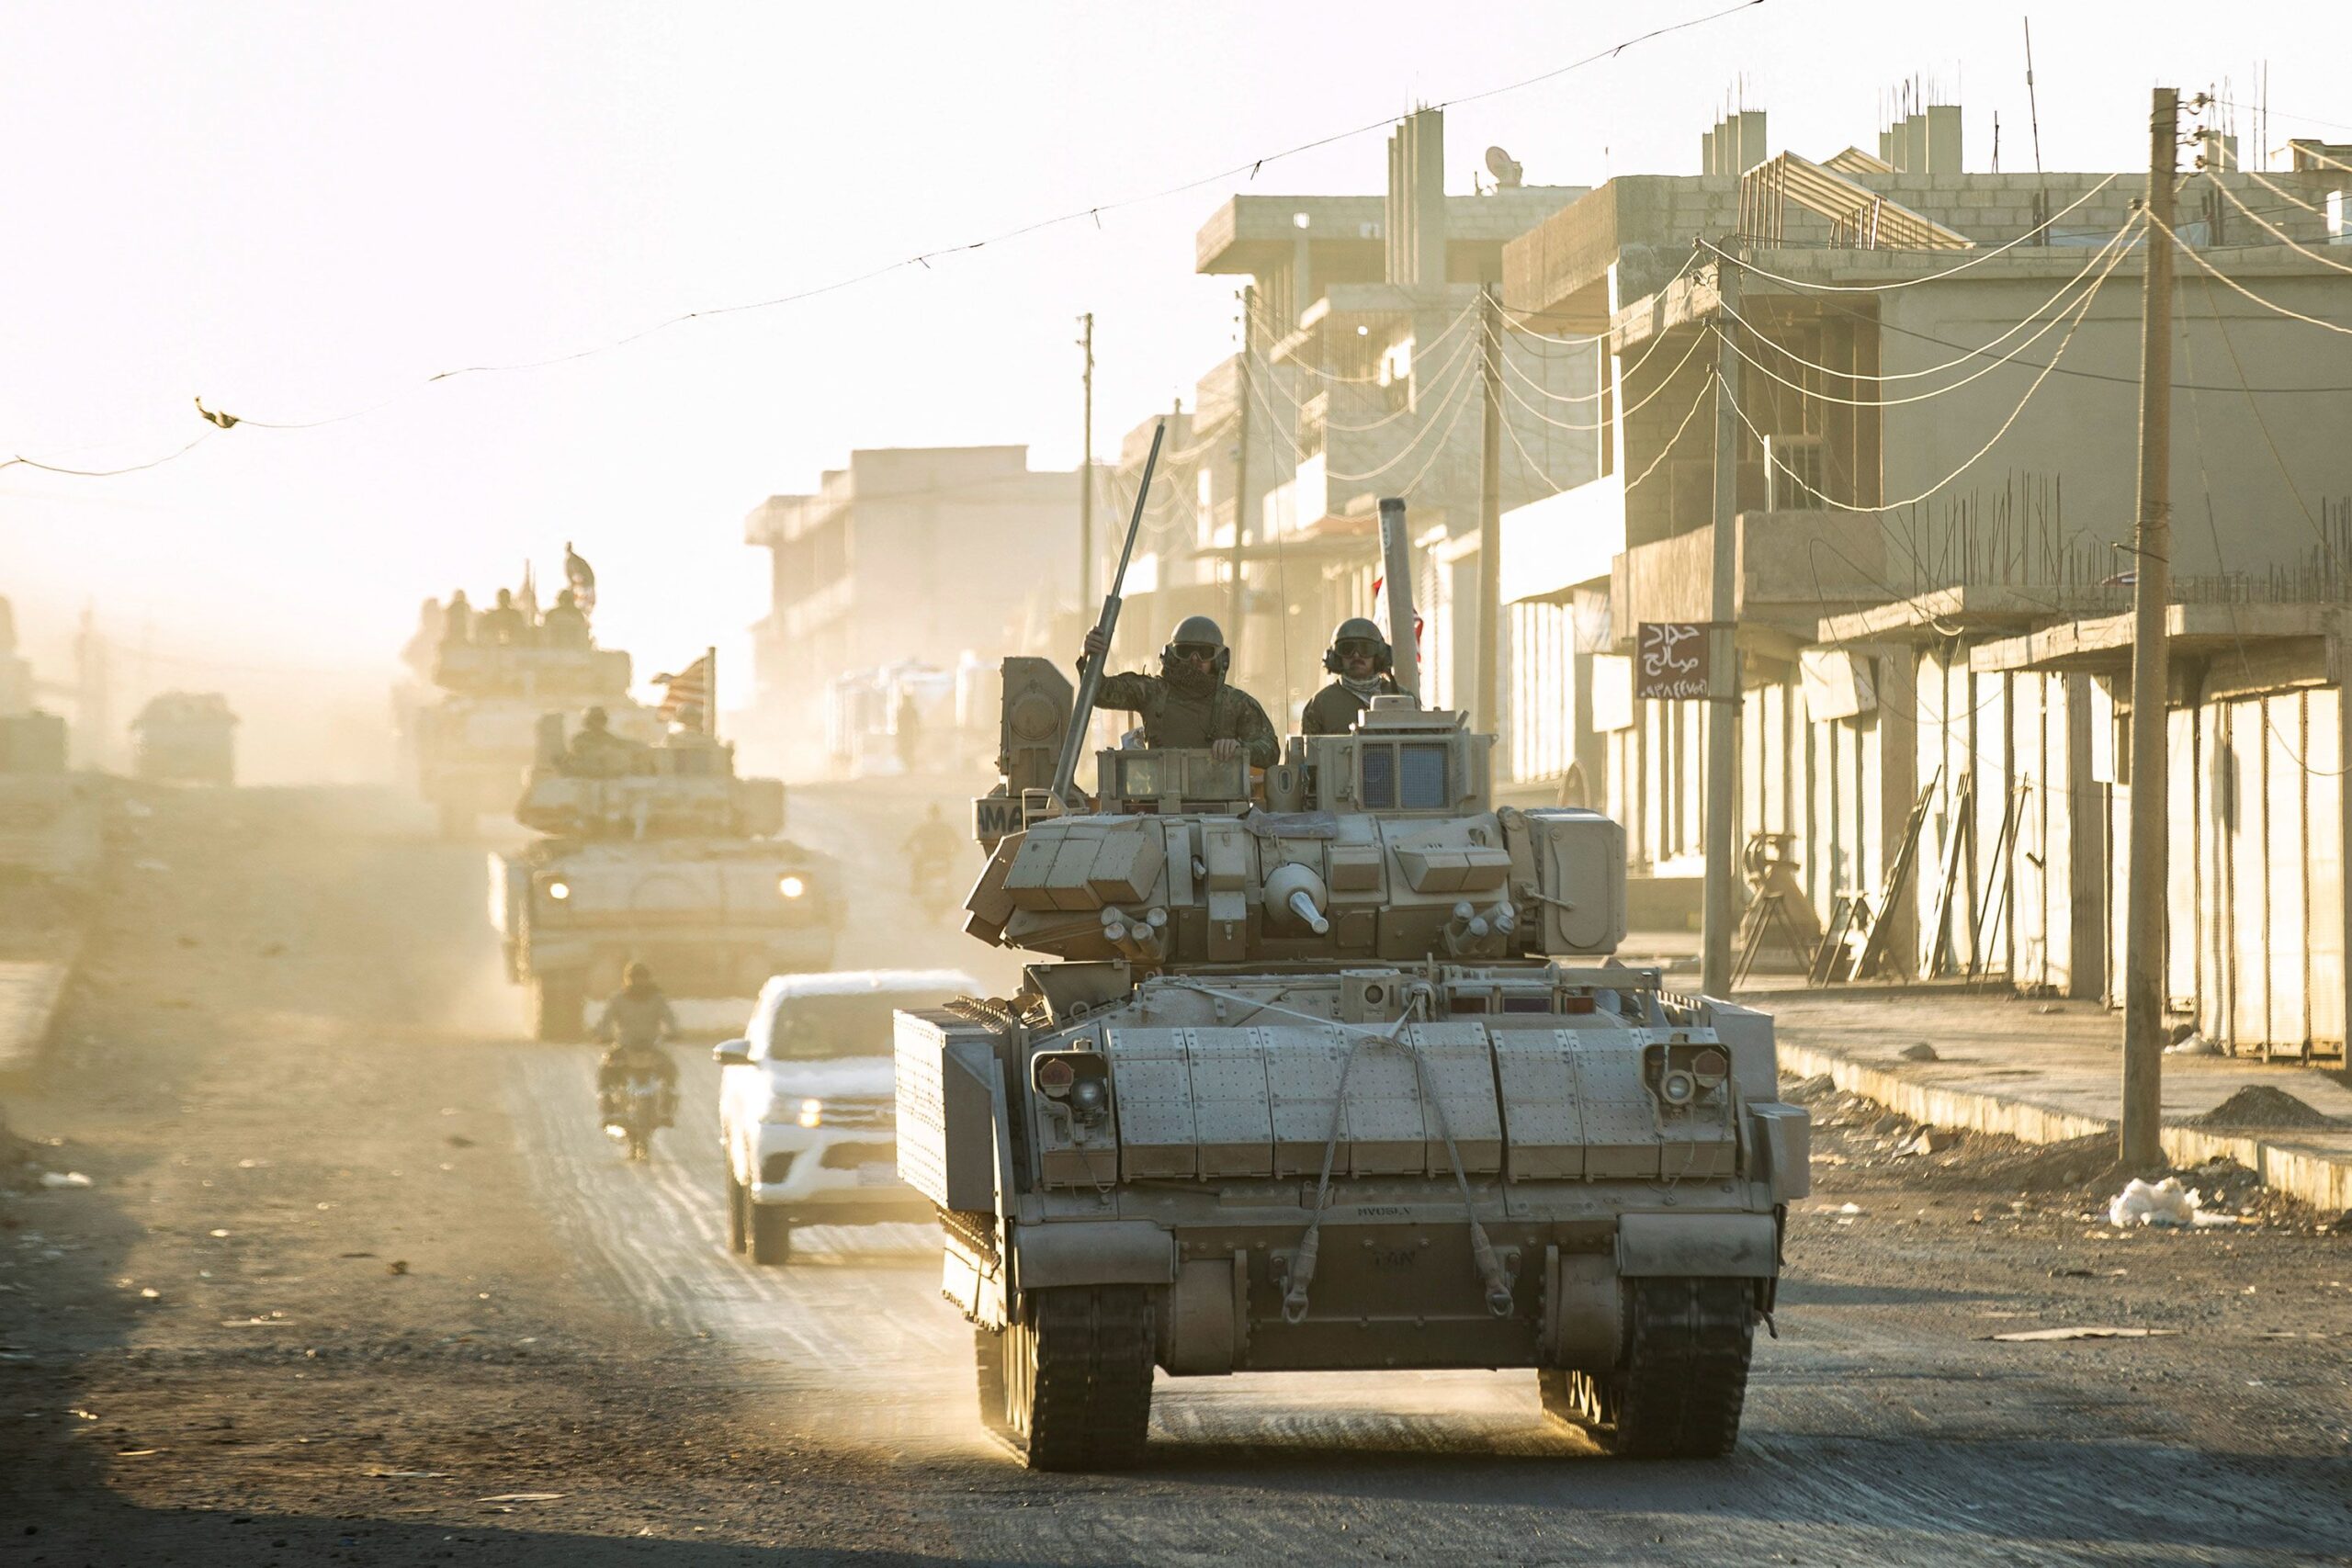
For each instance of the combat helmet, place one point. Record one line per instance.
(1197, 631)
(1357, 629)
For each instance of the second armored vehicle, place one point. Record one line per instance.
(472, 748)
(1339, 1077)
(664, 856)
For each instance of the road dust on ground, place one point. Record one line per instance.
(353, 1279)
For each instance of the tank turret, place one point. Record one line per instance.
(685, 786)
(1378, 844)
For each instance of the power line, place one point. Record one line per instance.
(1925, 278)
(1818, 396)
(2268, 304)
(2082, 311)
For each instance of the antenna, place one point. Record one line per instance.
(2034, 106)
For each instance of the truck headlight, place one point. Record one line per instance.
(791, 887)
(558, 891)
(812, 1113)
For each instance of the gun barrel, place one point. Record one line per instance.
(1397, 569)
(1082, 714)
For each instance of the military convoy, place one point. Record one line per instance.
(1335, 1075)
(471, 749)
(669, 858)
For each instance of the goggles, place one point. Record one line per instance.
(1356, 647)
(1198, 652)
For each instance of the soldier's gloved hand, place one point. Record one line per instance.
(1097, 645)
(1225, 751)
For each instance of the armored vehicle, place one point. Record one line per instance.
(185, 737)
(472, 748)
(1335, 1074)
(664, 856)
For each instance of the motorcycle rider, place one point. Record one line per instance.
(1189, 703)
(1360, 657)
(635, 1021)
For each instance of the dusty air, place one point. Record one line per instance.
(1029, 788)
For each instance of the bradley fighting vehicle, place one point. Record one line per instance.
(472, 748)
(664, 856)
(1334, 1074)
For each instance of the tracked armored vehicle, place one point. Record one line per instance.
(472, 746)
(666, 856)
(1334, 1074)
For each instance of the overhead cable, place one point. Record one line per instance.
(1827, 397)
(1970, 462)
(2224, 277)
(1978, 259)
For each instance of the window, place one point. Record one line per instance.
(1423, 783)
(1379, 778)
(1138, 777)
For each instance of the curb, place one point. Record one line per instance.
(2322, 1180)
(30, 993)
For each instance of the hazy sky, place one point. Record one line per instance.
(295, 211)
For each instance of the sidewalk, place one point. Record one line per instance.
(2045, 1072)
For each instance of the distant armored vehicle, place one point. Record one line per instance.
(472, 748)
(185, 737)
(664, 856)
(1336, 1076)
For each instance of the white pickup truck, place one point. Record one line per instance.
(807, 1105)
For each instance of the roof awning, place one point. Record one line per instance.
(2103, 646)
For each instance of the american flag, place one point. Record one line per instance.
(685, 696)
(582, 576)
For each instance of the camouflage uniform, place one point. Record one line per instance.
(1334, 710)
(1171, 717)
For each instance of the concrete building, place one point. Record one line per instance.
(1937, 378)
(1362, 377)
(905, 557)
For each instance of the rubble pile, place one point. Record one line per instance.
(2261, 1107)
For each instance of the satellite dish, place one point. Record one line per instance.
(1505, 170)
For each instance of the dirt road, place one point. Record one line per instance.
(357, 1280)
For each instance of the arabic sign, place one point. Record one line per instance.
(1671, 659)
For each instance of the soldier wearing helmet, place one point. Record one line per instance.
(1359, 656)
(1188, 703)
(636, 1019)
(596, 752)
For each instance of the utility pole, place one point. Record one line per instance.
(1241, 456)
(2144, 935)
(1722, 652)
(1488, 714)
(1086, 480)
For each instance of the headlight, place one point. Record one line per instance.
(792, 887)
(812, 1113)
(558, 891)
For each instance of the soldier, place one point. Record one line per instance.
(503, 623)
(456, 620)
(635, 1021)
(1360, 657)
(1188, 703)
(564, 626)
(595, 752)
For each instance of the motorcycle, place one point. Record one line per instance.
(637, 1108)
